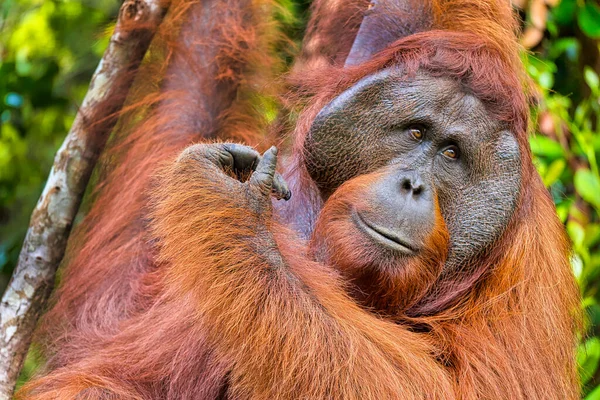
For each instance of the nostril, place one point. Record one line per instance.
(411, 184)
(406, 185)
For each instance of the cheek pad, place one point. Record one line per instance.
(342, 141)
(478, 212)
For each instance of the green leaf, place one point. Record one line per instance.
(589, 20)
(563, 211)
(576, 233)
(554, 171)
(546, 80)
(546, 147)
(577, 267)
(564, 13)
(581, 113)
(588, 356)
(552, 28)
(588, 186)
(589, 301)
(594, 394)
(594, 265)
(591, 78)
(576, 213)
(596, 143)
(592, 234)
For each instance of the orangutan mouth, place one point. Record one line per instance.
(383, 236)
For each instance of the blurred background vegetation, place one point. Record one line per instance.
(50, 48)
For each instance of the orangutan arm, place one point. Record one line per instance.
(284, 321)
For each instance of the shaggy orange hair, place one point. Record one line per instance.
(166, 301)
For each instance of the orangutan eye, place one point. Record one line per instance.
(451, 152)
(417, 132)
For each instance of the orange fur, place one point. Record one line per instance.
(197, 88)
(173, 301)
(386, 286)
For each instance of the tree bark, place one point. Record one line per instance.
(51, 221)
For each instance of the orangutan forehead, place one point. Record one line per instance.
(392, 97)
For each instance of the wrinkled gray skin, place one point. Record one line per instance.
(367, 128)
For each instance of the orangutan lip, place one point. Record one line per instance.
(382, 235)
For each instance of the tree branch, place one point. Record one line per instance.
(51, 221)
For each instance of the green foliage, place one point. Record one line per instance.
(588, 18)
(567, 146)
(48, 51)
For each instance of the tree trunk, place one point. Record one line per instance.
(51, 221)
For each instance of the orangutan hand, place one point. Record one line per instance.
(227, 164)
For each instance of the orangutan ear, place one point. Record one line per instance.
(385, 22)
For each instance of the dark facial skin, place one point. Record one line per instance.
(430, 131)
(398, 210)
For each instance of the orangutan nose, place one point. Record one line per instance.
(401, 211)
(411, 183)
